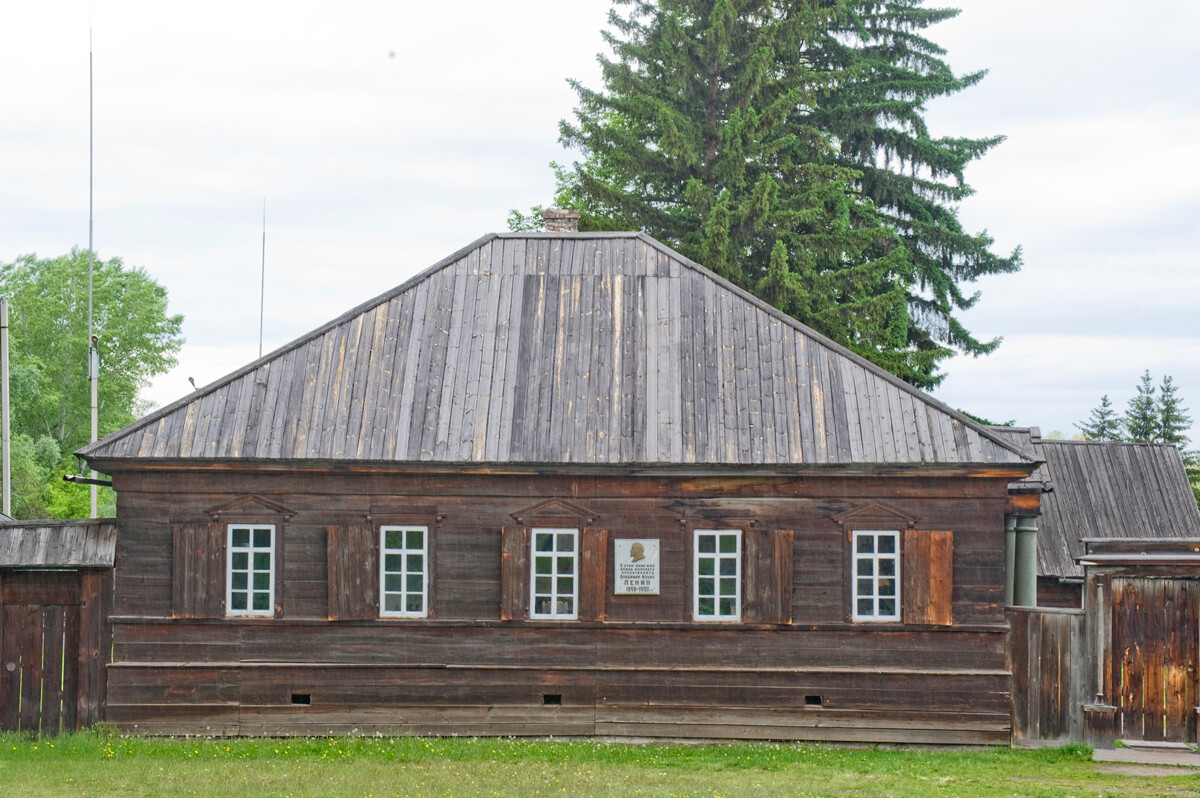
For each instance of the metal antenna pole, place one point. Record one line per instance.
(93, 352)
(7, 503)
(262, 289)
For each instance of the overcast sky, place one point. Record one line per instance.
(383, 136)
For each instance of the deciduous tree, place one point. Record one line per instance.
(48, 311)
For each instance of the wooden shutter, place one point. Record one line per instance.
(767, 584)
(514, 573)
(353, 564)
(927, 572)
(198, 570)
(593, 574)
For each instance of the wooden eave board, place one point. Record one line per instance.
(564, 349)
(1109, 490)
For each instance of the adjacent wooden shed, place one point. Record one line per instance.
(1100, 490)
(562, 484)
(55, 597)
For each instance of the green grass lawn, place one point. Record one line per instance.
(99, 764)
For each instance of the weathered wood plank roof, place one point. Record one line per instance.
(57, 544)
(567, 348)
(1106, 490)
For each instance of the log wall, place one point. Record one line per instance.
(645, 669)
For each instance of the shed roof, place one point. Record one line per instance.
(563, 348)
(1107, 490)
(58, 544)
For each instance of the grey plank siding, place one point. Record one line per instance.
(567, 348)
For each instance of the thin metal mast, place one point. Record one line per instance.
(262, 288)
(93, 352)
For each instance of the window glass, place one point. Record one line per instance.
(718, 582)
(250, 582)
(876, 575)
(554, 589)
(404, 584)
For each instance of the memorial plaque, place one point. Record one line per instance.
(636, 567)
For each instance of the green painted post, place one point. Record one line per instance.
(1025, 580)
(1010, 557)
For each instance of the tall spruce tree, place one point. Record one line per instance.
(703, 137)
(1172, 415)
(1141, 417)
(1103, 424)
(783, 144)
(884, 71)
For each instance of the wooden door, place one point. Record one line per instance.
(1154, 658)
(39, 644)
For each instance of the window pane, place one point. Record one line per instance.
(728, 567)
(887, 544)
(393, 582)
(566, 584)
(393, 538)
(566, 565)
(866, 567)
(707, 566)
(543, 541)
(240, 580)
(887, 587)
(728, 586)
(542, 565)
(728, 544)
(413, 603)
(542, 605)
(415, 582)
(866, 587)
(393, 562)
(391, 603)
(887, 606)
(241, 561)
(262, 560)
(542, 584)
(866, 606)
(566, 541)
(416, 562)
(707, 587)
(707, 607)
(237, 601)
(728, 607)
(708, 544)
(241, 537)
(416, 538)
(262, 538)
(262, 601)
(866, 544)
(262, 581)
(887, 567)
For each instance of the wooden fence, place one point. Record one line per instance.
(1047, 659)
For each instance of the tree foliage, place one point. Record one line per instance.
(1153, 415)
(1103, 424)
(51, 395)
(783, 145)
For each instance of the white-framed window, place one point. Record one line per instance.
(554, 583)
(718, 575)
(403, 571)
(876, 564)
(250, 570)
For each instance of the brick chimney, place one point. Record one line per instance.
(560, 221)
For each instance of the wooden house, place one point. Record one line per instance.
(1099, 490)
(564, 484)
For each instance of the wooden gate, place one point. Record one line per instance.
(52, 644)
(1155, 625)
